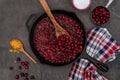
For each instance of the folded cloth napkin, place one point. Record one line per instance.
(100, 46)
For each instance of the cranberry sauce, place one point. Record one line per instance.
(62, 49)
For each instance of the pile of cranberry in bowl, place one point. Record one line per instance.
(61, 50)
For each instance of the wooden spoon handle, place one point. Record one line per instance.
(59, 30)
(29, 56)
(48, 11)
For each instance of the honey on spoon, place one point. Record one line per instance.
(17, 45)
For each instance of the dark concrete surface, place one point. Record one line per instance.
(13, 16)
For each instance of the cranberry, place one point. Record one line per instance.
(22, 74)
(11, 68)
(26, 62)
(32, 77)
(26, 67)
(26, 74)
(26, 78)
(16, 76)
(18, 59)
(19, 67)
(23, 63)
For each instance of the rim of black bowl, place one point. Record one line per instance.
(31, 36)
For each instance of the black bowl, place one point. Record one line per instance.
(33, 22)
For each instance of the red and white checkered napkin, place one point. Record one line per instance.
(100, 46)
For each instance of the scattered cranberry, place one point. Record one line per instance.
(11, 68)
(26, 62)
(18, 59)
(32, 77)
(100, 15)
(23, 63)
(26, 74)
(16, 76)
(19, 67)
(26, 67)
(22, 74)
(26, 78)
(62, 49)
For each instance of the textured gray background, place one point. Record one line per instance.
(13, 16)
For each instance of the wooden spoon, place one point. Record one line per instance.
(16, 42)
(27, 54)
(58, 29)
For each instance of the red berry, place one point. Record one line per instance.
(22, 63)
(26, 62)
(16, 76)
(11, 68)
(18, 59)
(26, 67)
(26, 74)
(26, 78)
(19, 67)
(22, 74)
(32, 77)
